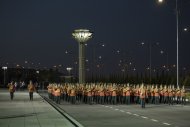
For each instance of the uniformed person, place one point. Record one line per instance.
(49, 87)
(183, 96)
(31, 89)
(128, 94)
(156, 94)
(170, 93)
(166, 95)
(73, 95)
(143, 95)
(11, 87)
(113, 94)
(58, 95)
(152, 94)
(161, 94)
(178, 95)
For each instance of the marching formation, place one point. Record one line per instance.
(101, 93)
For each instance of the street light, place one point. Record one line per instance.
(177, 37)
(150, 59)
(69, 70)
(4, 68)
(82, 36)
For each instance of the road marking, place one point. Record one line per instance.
(111, 107)
(122, 111)
(154, 120)
(135, 114)
(144, 117)
(116, 109)
(106, 106)
(128, 113)
(166, 124)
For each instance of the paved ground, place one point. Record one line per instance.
(132, 115)
(24, 113)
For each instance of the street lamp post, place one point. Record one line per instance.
(82, 36)
(69, 70)
(150, 59)
(4, 68)
(177, 37)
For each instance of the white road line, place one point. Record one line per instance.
(135, 114)
(144, 117)
(116, 109)
(154, 120)
(111, 107)
(128, 113)
(106, 106)
(166, 124)
(122, 111)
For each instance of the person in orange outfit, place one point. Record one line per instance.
(31, 89)
(57, 94)
(183, 96)
(156, 94)
(73, 95)
(114, 94)
(128, 94)
(143, 95)
(11, 89)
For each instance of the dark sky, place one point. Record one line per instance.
(39, 31)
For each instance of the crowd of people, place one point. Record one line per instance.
(110, 93)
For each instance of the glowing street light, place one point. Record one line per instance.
(177, 37)
(160, 1)
(4, 68)
(69, 70)
(82, 36)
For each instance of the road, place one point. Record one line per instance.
(129, 115)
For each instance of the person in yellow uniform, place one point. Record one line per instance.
(31, 89)
(11, 89)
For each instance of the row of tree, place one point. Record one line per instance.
(53, 75)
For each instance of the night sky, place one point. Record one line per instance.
(39, 32)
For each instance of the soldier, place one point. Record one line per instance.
(73, 95)
(58, 94)
(143, 95)
(123, 91)
(128, 94)
(166, 95)
(102, 94)
(178, 95)
(152, 95)
(137, 94)
(170, 93)
(31, 89)
(49, 87)
(11, 89)
(156, 94)
(173, 93)
(161, 94)
(113, 94)
(89, 94)
(183, 96)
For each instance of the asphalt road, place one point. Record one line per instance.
(129, 115)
